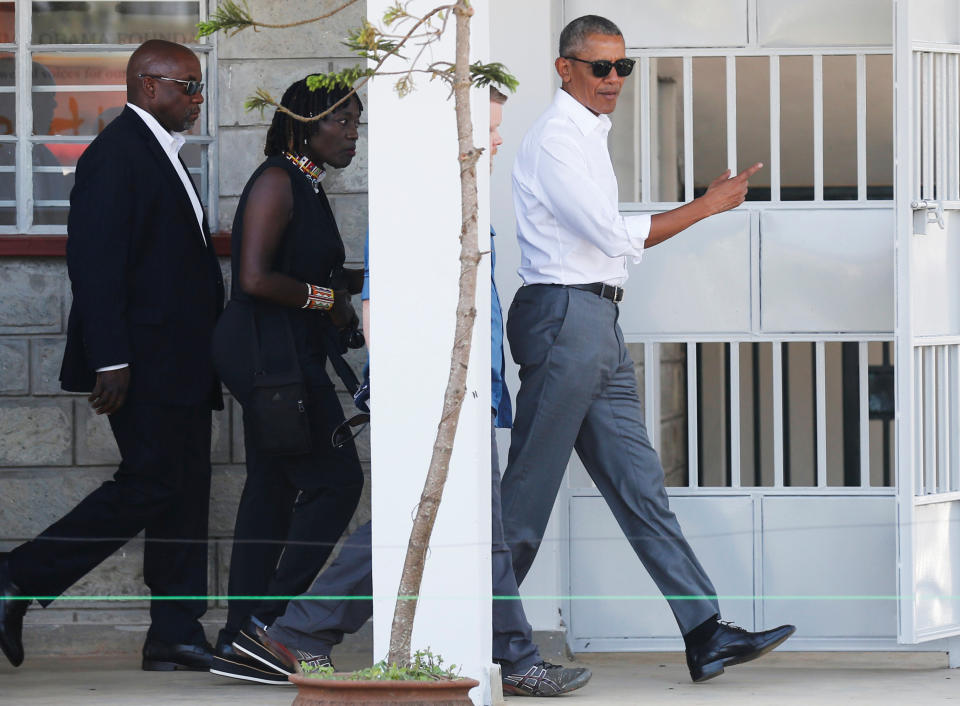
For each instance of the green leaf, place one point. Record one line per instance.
(260, 101)
(341, 79)
(482, 75)
(394, 13)
(229, 15)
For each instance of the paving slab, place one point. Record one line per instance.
(819, 678)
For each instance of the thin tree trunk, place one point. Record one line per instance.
(410, 580)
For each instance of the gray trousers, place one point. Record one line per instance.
(315, 626)
(578, 390)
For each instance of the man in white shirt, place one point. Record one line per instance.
(147, 291)
(578, 387)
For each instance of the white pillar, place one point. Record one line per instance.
(414, 265)
(529, 54)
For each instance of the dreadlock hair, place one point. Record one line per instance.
(289, 134)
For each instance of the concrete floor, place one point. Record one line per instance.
(646, 678)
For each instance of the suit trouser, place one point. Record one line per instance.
(578, 390)
(162, 486)
(292, 512)
(315, 626)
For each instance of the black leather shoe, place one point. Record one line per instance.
(165, 657)
(253, 641)
(11, 616)
(732, 645)
(230, 662)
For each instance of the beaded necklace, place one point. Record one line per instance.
(311, 171)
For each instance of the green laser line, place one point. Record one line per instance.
(827, 597)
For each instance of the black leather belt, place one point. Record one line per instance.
(607, 291)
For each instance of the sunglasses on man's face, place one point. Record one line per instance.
(189, 87)
(602, 67)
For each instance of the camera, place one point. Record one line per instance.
(351, 337)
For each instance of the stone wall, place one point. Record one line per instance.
(54, 450)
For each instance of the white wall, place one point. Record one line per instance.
(414, 250)
(529, 56)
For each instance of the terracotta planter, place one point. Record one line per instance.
(327, 692)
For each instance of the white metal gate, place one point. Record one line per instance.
(778, 319)
(928, 319)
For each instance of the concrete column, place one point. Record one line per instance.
(529, 55)
(414, 249)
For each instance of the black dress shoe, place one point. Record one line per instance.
(11, 616)
(253, 640)
(732, 645)
(230, 662)
(165, 657)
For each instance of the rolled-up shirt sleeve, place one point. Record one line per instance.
(580, 205)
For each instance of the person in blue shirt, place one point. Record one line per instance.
(309, 629)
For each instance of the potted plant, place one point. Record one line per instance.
(423, 680)
(402, 672)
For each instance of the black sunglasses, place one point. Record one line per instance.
(602, 67)
(189, 87)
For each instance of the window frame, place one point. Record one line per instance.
(28, 239)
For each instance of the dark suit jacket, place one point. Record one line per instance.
(145, 289)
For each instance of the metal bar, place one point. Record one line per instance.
(767, 338)
(635, 51)
(105, 48)
(917, 112)
(777, 415)
(943, 421)
(24, 117)
(774, 129)
(755, 312)
(212, 185)
(637, 154)
(861, 127)
(688, 128)
(953, 390)
(734, 413)
(927, 135)
(953, 127)
(732, 114)
(919, 484)
(864, 368)
(85, 88)
(820, 373)
(645, 191)
(935, 47)
(940, 129)
(817, 128)
(651, 391)
(693, 422)
(929, 420)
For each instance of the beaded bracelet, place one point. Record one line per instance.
(318, 298)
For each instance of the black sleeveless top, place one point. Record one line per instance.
(310, 250)
(311, 246)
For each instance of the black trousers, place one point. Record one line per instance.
(163, 487)
(292, 511)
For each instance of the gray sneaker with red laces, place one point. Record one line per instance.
(545, 679)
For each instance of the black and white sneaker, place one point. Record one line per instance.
(545, 679)
(253, 641)
(228, 662)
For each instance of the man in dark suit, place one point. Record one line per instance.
(147, 291)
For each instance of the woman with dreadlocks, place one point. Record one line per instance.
(289, 311)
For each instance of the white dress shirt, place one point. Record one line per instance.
(170, 143)
(565, 193)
